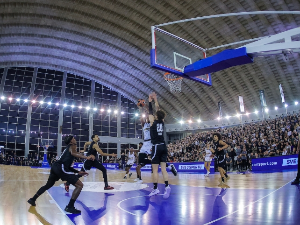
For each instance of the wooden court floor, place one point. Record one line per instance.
(18, 184)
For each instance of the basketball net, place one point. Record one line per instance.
(174, 82)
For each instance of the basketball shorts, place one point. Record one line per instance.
(143, 159)
(59, 172)
(146, 148)
(208, 159)
(129, 164)
(159, 153)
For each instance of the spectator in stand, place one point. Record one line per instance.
(239, 163)
(244, 159)
(228, 162)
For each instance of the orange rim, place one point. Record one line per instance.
(171, 79)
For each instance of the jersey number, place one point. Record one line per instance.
(159, 129)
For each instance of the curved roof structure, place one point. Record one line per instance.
(110, 42)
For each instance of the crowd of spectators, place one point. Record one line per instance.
(268, 138)
(10, 158)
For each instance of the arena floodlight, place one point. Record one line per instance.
(2, 97)
(116, 111)
(227, 117)
(57, 104)
(109, 111)
(49, 103)
(218, 118)
(247, 114)
(102, 110)
(10, 98)
(95, 109)
(296, 103)
(72, 106)
(266, 110)
(256, 112)
(181, 122)
(199, 121)
(190, 121)
(18, 99)
(143, 115)
(285, 105)
(87, 108)
(136, 114)
(276, 107)
(25, 100)
(33, 101)
(122, 113)
(41, 102)
(238, 115)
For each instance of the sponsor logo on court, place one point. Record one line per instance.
(290, 162)
(191, 167)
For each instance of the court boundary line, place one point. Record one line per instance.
(119, 203)
(252, 203)
(62, 211)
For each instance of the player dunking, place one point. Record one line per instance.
(88, 164)
(130, 161)
(219, 147)
(62, 169)
(208, 157)
(159, 150)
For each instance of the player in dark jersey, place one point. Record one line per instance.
(219, 147)
(159, 150)
(297, 179)
(62, 169)
(88, 164)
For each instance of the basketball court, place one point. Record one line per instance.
(253, 198)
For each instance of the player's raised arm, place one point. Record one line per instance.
(151, 117)
(73, 151)
(101, 152)
(86, 144)
(224, 145)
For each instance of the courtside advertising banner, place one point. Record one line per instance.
(275, 163)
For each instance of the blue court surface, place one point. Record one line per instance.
(186, 205)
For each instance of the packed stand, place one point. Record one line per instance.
(262, 139)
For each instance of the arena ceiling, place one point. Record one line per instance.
(110, 41)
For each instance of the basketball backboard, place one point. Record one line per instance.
(172, 54)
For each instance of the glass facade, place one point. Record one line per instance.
(47, 102)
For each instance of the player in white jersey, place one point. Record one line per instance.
(146, 149)
(130, 162)
(208, 157)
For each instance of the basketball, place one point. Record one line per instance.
(141, 103)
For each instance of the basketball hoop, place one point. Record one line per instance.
(174, 82)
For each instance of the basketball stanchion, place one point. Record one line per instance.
(174, 82)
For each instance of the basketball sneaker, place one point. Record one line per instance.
(154, 192)
(296, 181)
(31, 202)
(125, 177)
(139, 182)
(67, 187)
(167, 192)
(173, 170)
(130, 175)
(72, 210)
(108, 188)
(136, 179)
